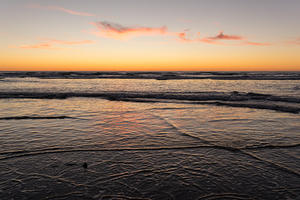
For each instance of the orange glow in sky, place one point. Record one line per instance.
(152, 36)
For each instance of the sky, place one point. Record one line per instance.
(150, 35)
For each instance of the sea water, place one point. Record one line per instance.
(153, 135)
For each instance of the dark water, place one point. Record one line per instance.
(149, 135)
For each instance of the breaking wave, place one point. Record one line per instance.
(233, 99)
(157, 75)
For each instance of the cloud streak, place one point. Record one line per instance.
(37, 46)
(64, 42)
(256, 43)
(220, 38)
(210, 40)
(117, 31)
(50, 44)
(58, 8)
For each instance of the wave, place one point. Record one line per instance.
(233, 99)
(244, 151)
(192, 96)
(34, 117)
(24, 153)
(157, 75)
(68, 149)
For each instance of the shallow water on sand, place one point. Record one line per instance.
(166, 149)
(275, 87)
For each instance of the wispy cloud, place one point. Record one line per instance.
(38, 46)
(50, 44)
(220, 39)
(183, 37)
(256, 43)
(222, 36)
(64, 42)
(58, 8)
(121, 32)
(117, 31)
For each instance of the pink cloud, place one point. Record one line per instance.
(70, 42)
(182, 36)
(209, 41)
(218, 40)
(72, 12)
(50, 44)
(117, 31)
(256, 43)
(222, 36)
(38, 46)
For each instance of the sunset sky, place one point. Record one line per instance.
(99, 35)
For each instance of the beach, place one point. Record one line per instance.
(91, 137)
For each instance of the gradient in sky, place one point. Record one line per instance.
(100, 35)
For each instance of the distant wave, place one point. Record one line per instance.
(193, 96)
(34, 117)
(157, 75)
(232, 99)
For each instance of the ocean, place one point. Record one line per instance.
(149, 135)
